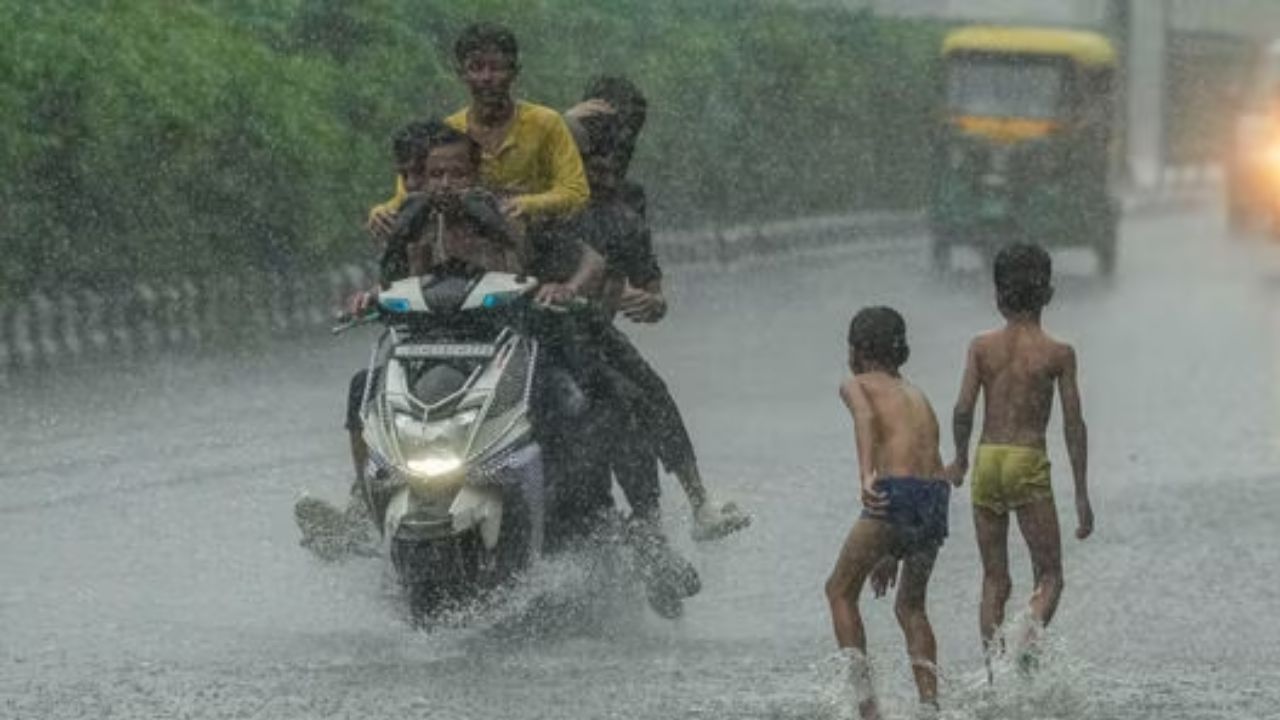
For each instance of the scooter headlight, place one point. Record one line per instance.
(1271, 156)
(434, 465)
(435, 474)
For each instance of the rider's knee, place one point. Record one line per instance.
(355, 398)
(564, 396)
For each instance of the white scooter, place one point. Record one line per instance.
(455, 479)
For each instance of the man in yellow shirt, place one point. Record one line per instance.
(528, 154)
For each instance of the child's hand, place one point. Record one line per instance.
(1084, 518)
(642, 306)
(554, 294)
(511, 209)
(873, 499)
(589, 108)
(955, 472)
(381, 222)
(360, 302)
(884, 576)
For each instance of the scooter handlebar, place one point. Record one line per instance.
(575, 305)
(347, 321)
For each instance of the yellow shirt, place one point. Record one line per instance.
(538, 163)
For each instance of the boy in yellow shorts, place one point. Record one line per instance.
(1016, 369)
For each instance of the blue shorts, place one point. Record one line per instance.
(917, 512)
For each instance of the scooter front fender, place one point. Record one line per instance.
(478, 506)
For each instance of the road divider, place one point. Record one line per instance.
(56, 328)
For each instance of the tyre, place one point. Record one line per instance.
(438, 575)
(454, 572)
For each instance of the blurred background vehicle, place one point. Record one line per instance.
(1024, 151)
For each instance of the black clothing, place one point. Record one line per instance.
(615, 227)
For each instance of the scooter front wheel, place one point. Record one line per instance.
(438, 575)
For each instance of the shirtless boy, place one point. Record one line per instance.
(904, 499)
(1016, 369)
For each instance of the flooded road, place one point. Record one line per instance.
(149, 564)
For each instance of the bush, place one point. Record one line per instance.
(153, 138)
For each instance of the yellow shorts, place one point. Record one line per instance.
(1006, 477)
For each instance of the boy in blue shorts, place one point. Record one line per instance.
(904, 498)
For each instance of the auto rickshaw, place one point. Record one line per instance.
(1025, 150)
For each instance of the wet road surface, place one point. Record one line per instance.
(149, 564)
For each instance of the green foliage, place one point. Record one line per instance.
(153, 138)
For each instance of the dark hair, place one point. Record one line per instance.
(420, 137)
(410, 141)
(601, 135)
(623, 95)
(879, 334)
(411, 144)
(632, 111)
(1022, 273)
(482, 36)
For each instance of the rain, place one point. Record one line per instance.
(185, 218)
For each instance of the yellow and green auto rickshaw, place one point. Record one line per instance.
(1025, 150)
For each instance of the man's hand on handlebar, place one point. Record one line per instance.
(361, 302)
(555, 294)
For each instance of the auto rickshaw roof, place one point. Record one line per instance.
(1083, 47)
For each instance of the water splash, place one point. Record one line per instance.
(587, 591)
(847, 680)
(1036, 678)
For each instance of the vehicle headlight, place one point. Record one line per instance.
(1272, 156)
(435, 452)
(435, 474)
(434, 465)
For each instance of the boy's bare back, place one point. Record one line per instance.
(1017, 368)
(902, 425)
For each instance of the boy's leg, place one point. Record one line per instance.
(652, 407)
(329, 531)
(1038, 522)
(636, 471)
(910, 610)
(867, 543)
(711, 520)
(359, 452)
(354, 424)
(992, 531)
(659, 419)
